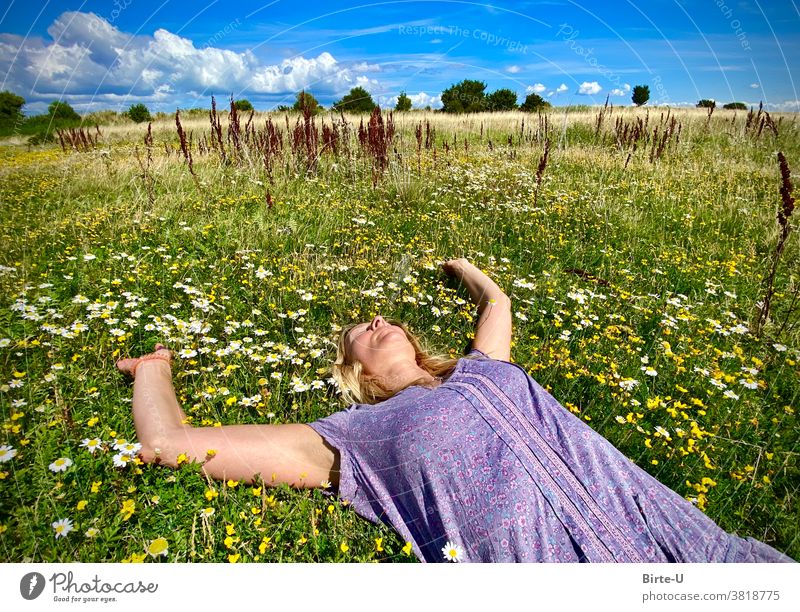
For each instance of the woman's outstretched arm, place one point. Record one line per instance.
(493, 329)
(291, 453)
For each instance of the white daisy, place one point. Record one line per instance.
(207, 512)
(60, 465)
(778, 347)
(62, 527)
(122, 460)
(129, 448)
(91, 532)
(7, 453)
(452, 552)
(749, 383)
(730, 395)
(187, 353)
(91, 444)
(663, 432)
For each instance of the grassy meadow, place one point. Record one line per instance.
(635, 258)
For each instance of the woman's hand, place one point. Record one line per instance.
(455, 267)
(128, 366)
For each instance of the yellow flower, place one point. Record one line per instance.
(128, 508)
(256, 491)
(233, 483)
(230, 529)
(81, 504)
(264, 545)
(378, 544)
(96, 486)
(344, 547)
(407, 548)
(211, 494)
(211, 453)
(182, 458)
(92, 422)
(137, 558)
(158, 547)
(233, 558)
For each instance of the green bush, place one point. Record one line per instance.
(534, 103)
(466, 96)
(735, 106)
(641, 94)
(62, 110)
(306, 100)
(705, 103)
(403, 102)
(358, 100)
(501, 100)
(139, 113)
(10, 109)
(243, 105)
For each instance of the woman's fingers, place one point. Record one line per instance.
(126, 365)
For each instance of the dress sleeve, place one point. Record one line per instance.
(336, 429)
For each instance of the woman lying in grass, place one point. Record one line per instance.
(468, 459)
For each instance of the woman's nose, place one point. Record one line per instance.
(378, 321)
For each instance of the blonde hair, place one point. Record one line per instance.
(356, 387)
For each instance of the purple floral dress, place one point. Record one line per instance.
(490, 461)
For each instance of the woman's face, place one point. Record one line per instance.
(376, 343)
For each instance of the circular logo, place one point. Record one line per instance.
(31, 585)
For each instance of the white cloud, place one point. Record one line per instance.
(88, 56)
(562, 88)
(787, 106)
(754, 85)
(436, 40)
(513, 69)
(421, 100)
(418, 100)
(536, 88)
(589, 88)
(618, 92)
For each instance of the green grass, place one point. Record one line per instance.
(700, 222)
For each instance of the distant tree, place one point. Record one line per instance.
(403, 102)
(10, 108)
(705, 103)
(501, 100)
(357, 101)
(282, 108)
(466, 96)
(306, 99)
(534, 103)
(641, 94)
(138, 113)
(62, 110)
(735, 106)
(243, 105)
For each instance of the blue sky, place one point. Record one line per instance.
(112, 53)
